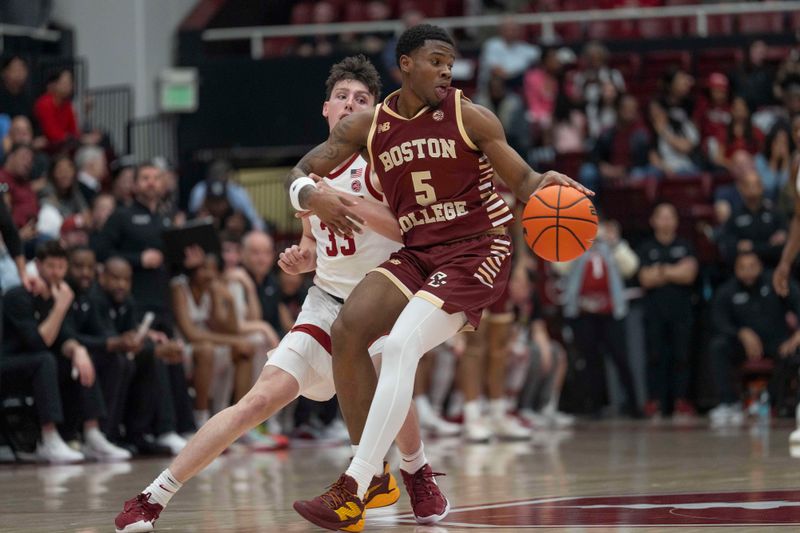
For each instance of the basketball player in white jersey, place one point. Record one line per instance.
(301, 364)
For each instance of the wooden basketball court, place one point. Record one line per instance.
(612, 476)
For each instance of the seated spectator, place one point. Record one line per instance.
(258, 260)
(668, 272)
(749, 321)
(621, 152)
(542, 85)
(712, 114)
(20, 193)
(727, 197)
(597, 86)
(677, 139)
(569, 127)
(62, 198)
(739, 135)
(143, 415)
(206, 318)
(21, 132)
(539, 375)
(221, 171)
(774, 161)
(753, 227)
(54, 113)
(320, 45)
(217, 206)
(92, 171)
(754, 79)
(74, 232)
(35, 327)
(122, 184)
(594, 301)
(15, 96)
(508, 107)
(506, 55)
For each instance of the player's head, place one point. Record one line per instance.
(425, 55)
(747, 268)
(353, 85)
(51, 262)
(664, 219)
(116, 278)
(81, 268)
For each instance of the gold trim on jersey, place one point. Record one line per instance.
(405, 290)
(460, 122)
(392, 112)
(432, 298)
(370, 135)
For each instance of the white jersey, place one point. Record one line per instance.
(343, 262)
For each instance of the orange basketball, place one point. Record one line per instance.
(559, 223)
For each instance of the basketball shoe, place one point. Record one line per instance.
(138, 515)
(427, 501)
(338, 509)
(383, 491)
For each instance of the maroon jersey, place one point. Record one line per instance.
(437, 182)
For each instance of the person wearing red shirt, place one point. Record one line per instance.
(18, 191)
(53, 110)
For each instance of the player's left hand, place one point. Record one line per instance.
(551, 177)
(294, 259)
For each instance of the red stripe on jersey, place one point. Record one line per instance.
(370, 187)
(317, 333)
(336, 173)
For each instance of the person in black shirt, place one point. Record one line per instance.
(668, 271)
(15, 97)
(755, 226)
(749, 320)
(37, 327)
(143, 413)
(258, 258)
(134, 233)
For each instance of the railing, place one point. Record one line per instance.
(547, 21)
(154, 136)
(110, 109)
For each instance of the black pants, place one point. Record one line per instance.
(114, 374)
(727, 355)
(80, 403)
(598, 335)
(668, 341)
(37, 373)
(326, 411)
(150, 408)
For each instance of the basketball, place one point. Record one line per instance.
(559, 223)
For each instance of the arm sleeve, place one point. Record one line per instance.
(9, 231)
(18, 310)
(109, 238)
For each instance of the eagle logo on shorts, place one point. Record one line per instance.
(438, 115)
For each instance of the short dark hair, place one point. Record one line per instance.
(415, 37)
(117, 259)
(146, 164)
(357, 68)
(50, 249)
(10, 59)
(78, 249)
(54, 75)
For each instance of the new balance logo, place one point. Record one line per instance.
(384, 127)
(348, 511)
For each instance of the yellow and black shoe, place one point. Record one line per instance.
(383, 490)
(339, 509)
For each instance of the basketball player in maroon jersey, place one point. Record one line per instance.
(435, 154)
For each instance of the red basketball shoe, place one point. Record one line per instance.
(427, 501)
(339, 509)
(138, 515)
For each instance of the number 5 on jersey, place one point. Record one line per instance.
(334, 248)
(425, 193)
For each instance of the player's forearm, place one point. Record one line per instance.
(792, 247)
(527, 186)
(379, 218)
(309, 244)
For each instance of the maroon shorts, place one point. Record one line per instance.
(463, 276)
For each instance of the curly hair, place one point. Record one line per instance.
(357, 68)
(415, 37)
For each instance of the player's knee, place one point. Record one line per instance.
(401, 354)
(346, 338)
(255, 406)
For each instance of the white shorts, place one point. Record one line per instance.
(305, 352)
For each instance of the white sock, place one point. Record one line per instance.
(362, 472)
(497, 408)
(472, 411)
(200, 417)
(163, 488)
(421, 327)
(411, 463)
(94, 437)
(354, 449)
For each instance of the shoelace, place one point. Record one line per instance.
(424, 480)
(337, 495)
(141, 503)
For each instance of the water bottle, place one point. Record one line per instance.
(763, 408)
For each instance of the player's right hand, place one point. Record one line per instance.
(780, 279)
(334, 211)
(295, 260)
